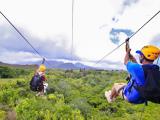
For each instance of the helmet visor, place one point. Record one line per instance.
(139, 52)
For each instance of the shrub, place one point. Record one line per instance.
(2, 115)
(7, 72)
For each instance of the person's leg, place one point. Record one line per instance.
(45, 87)
(38, 94)
(112, 94)
(42, 93)
(117, 87)
(108, 96)
(40, 90)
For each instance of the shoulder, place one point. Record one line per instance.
(133, 66)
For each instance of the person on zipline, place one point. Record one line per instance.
(38, 81)
(147, 55)
(41, 85)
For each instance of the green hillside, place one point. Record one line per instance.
(77, 95)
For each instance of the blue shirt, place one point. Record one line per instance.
(137, 73)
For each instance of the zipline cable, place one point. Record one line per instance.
(72, 29)
(128, 38)
(23, 36)
(20, 34)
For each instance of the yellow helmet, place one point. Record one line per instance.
(42, 68)
(150, 52)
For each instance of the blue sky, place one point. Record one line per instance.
(115, 33)
(99, 25)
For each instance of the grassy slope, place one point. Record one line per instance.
(77, 95)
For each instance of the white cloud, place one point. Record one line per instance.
(47, 19)
(40, 17)
(18, 57)
(136, 17)
(156, 40)
(51, 48)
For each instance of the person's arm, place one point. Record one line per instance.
(132, 58)
(43, 78)
(126, 58)
(129, 57)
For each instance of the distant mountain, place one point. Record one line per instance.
(19, 66)
(68, 65)
(80, 65)
(3, 64)
(51, 64)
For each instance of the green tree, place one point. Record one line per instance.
(7, 72)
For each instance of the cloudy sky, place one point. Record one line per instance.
(99, 26)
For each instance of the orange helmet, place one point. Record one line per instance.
(150, 52)
(42, 68)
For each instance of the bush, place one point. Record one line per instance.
(70, 98)
(2, 115)
(82, 105)
(7, 72)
